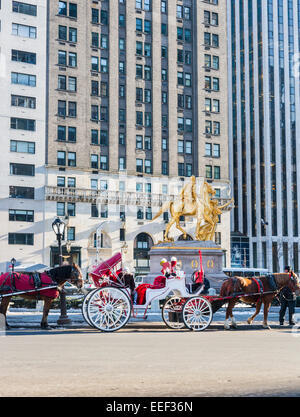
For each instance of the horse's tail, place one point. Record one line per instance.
(164, 208)
(231, 286)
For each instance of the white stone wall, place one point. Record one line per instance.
(22, 253)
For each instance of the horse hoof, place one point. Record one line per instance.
(249, 321)
(46, 327)
(265, 326)
(226, 326)
(234, 325)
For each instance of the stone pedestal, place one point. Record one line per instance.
(187, 254)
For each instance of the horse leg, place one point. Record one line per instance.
(267, 305)
(3, 308)
(229, 314)
(180, 228)
(47, 305)
(233, 322)
(258, 306)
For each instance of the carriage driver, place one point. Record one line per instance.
(287, 300)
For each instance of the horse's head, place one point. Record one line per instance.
(76, 276)
(294, 283)
(290, 280)
(71, 273)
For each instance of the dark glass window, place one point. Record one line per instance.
(21, 192)
(21, 239)
(22, 169)
(24, 8)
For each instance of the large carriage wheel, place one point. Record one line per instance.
(197, 313)
(108, 309)
(85, 306)
(172, 313)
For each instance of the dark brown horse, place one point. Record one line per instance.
(267, 287)
(58, 276)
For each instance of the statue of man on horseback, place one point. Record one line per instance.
(202, 207)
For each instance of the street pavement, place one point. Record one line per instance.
(147, 359)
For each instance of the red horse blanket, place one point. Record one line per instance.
(22, 282)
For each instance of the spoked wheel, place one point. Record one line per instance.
(197, 313)
(108, 309)
(85, 306)
(172, 313)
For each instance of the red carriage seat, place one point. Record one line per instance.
(159, 282)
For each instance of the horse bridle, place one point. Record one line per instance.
(75, 274)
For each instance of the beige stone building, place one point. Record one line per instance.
(137, 103)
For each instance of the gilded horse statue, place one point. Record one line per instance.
(205, 209)
(186, 205)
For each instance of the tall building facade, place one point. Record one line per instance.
(22, 125)
(264, 124)
(136, 103)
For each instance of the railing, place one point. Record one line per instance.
(126, 198)
(106, 197)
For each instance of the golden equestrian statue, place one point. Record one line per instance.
(205, 209)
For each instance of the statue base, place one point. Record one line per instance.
(187, 254)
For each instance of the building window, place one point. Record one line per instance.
(148, 166)
(23, 56)
(72, 159)
(22, 124)
(21, 215)
(22, 169)
(94, 210)
(165, 168)
(21, 239)
(61, 181)
(104, 162)
(180, 169)
(21, 192)
(22, 147)
(139, 165)
(24, 31)
(23, 79)
(94, 161)
(140, 213)
(24, 8)
(60, 209)
(122, 163)
(71, 234)
(104, 211)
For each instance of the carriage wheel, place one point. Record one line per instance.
(84, 308)
(172, 313)
(197, 313)
(108, 309)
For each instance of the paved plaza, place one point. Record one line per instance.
(147, 359)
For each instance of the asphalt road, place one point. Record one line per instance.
(149, 360)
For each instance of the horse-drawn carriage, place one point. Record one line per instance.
(111, 304)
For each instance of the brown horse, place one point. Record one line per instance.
(59, 276)
(266, 286)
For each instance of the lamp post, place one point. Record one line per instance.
(13, 263)
(58, 227)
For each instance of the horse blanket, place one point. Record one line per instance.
(21, 282)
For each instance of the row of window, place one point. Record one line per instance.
(28, 238)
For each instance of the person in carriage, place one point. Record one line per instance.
(169, 268)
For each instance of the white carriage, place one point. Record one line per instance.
(110, 305)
